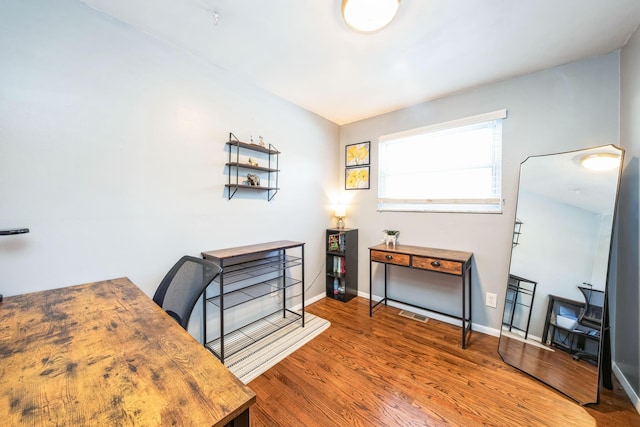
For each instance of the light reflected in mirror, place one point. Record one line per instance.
(554, 302)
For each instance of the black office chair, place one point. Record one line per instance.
(183, 285)
(591, 318)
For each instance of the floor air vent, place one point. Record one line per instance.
(414, 316)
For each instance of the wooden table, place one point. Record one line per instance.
(105, 354)
(457, 263)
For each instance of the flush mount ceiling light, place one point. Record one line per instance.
(601, 161)
(369, 15)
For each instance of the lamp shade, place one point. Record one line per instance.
(369, 15)
(340, 211)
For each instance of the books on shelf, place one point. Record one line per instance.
(338, 264)
(334, 242)
(337, 242)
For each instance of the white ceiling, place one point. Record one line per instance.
(302, 51)
(561, 178)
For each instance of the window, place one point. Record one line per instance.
(448, 167)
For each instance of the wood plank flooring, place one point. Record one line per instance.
(392, 371)
(557, 368)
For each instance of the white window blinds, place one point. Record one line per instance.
(448, 167)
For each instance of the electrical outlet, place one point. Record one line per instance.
(492, 300)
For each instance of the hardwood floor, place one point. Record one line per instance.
(579, 379)
(392, 371)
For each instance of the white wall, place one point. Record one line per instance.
(554, 235)
(603, 247)
(112, 151)
(626, 297)
(561, 109)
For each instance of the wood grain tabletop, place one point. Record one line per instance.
(105, 354)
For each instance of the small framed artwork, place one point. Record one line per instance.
(356, 178)
(357, 154)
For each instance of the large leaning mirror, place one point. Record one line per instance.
(555, 303)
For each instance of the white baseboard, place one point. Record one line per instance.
(442, 318)
(635, 401)
(307, 301)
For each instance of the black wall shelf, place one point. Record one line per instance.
(237, 151)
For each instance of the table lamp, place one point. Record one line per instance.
(340, 212)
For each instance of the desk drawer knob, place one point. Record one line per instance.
(435, 264)
(389, 257)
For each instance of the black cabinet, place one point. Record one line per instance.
(249, 173)
(342, 263)
(562, 330)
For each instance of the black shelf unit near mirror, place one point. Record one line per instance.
(12, 232)
(521, 293)
(562, 330)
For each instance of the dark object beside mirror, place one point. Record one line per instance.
(13, 231)
(555, 325)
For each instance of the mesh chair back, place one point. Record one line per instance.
(594, 304)
(183, 285)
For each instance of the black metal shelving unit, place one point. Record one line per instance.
(270, 154)
(258, 272)
(570, 339)
(520, 294)
(255, 270)
(517, 231)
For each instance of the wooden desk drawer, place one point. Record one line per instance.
(435, 264)
(390, 258)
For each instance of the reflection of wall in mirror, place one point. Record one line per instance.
(599, 276)
(558, 249)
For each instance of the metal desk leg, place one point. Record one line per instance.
(221, 317)
(466, 280)
(370, 287)
(283, 261)
(385, 284)
(464, 307)
(470, 299)
(302, 254)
